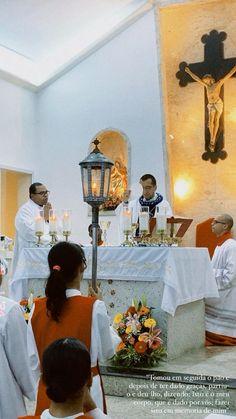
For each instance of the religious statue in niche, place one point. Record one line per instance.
(118, 179)
(118, 185)
(212, 74)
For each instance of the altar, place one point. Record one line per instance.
(174, 281)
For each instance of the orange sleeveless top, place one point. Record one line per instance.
(75, 321)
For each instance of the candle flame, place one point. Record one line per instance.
(94, 188)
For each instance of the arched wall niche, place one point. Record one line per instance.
(116, 146)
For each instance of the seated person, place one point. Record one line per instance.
(67, 377)
(16, 380)
(99, 230)
(221, 312)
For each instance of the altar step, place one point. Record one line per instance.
(203, 379)
(181, 391)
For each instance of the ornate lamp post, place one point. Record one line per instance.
(95, 171)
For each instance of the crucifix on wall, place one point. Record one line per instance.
(211, 74)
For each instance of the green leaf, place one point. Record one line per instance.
(128, 357)
(144, 301)
(135, 303)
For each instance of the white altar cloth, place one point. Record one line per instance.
(186, 272)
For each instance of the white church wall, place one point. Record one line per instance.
(17, 128)
(115, 87)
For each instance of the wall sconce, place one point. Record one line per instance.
(182, 188)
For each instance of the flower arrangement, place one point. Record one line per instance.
(141, 344)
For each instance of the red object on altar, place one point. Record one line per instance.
(184, 225)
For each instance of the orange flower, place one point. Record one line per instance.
(156, 344)
(144, 311)
(120, 347)
(140, 347)
(131, 310)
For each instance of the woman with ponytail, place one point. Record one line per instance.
(65, 312)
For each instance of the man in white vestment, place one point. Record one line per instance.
(25, 232)
(16, 378)
(221, 312)
(149, 197)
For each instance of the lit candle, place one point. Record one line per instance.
(66, 220)
(94, 188)
(39, 224)
(161, 219)
(161, 222)
(52, 224)
(144, 221)
(127, 219)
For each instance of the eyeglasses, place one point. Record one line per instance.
(217, 222)
(42, 193)
(84, 262)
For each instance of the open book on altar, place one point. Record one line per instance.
(177, 226)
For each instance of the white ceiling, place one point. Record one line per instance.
(39, 39)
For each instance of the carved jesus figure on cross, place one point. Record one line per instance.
(215, 103)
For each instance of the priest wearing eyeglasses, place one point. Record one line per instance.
(25, 226)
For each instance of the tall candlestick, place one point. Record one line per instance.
(66, 220)
(144, 220)
(52, 222)
(66, 223)
(39, 224)
(161, 219)
(161, 222)
(127, 219)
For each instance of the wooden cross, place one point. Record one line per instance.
(218, 67)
